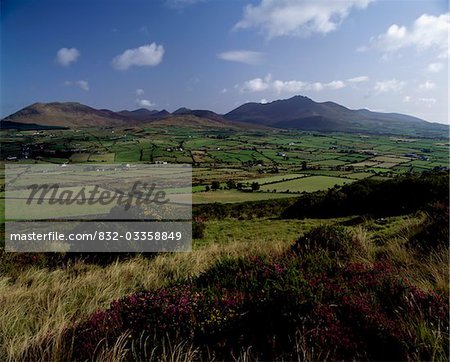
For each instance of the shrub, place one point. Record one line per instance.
(198, 227)
(335, 240)
(435, 233)
(352, 312)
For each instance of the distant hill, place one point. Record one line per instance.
(298, 112)
(202, 113)
(191, 120)
(305, 114)
(76, 115)
(68, 114)
(141, 114)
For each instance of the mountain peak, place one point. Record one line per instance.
(182, 110)
(303, 113)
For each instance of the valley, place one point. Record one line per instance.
(282, 162)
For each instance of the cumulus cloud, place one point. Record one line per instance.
(66, 56)
(287, 86)
(360, 79)
(82, 84)
(263, 101)
(139, 92)
(427, 85)
(435, 67)
(256, 85)
(407, 99)
(391, 85)
(145, 55)
(297, 18)
(242, 56)
(335, 84)
(144, 103)
(428, 32)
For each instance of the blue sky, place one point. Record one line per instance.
(383, 55)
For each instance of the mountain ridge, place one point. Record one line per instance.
(302, 113)
(298, 112)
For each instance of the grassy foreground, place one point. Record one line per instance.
(42, 304)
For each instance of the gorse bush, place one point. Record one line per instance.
(350, 311)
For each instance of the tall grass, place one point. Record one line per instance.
(38, 304)
(41, 303)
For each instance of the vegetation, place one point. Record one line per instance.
(388, 197)
(334, 293)
(328, 252)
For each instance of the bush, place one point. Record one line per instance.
(400, 195)
(435, 233)
(335, 240)
(198, 227)
(353, 312)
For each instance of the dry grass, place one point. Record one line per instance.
(41, 303)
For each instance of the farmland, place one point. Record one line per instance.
(258, 197)
(276, 160)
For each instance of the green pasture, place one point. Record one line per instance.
(307, 184)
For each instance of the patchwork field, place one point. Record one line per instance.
(275, 161)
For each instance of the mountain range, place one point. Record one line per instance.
(298, 112)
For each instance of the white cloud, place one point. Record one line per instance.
(144, 103)
(297, 18)
(66, 56)
(435, 67)
(255, 85)
(392, 85)
(360, 79)
(429, 101)
(427, 85)
(242, 56)
(263, 101)
(428, 32)
(335, 84)
(146, 55)
(139, 92)
(224, 90)
(287, 86)
(82, 84)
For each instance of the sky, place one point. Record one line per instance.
(383, 55)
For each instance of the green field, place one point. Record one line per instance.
(232, 196)
(275, 160)
(307, 184)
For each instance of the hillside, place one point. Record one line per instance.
(305, 114)
(299, 112)
(76, 115)
(193, 121)
(140, 114)
(68, 114)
